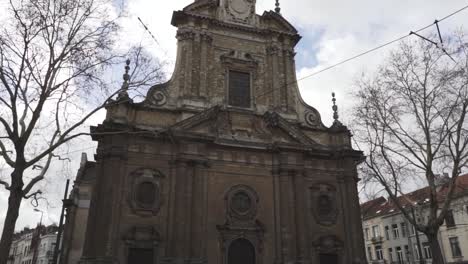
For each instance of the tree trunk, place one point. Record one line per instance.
(437, 256)
(14, 202)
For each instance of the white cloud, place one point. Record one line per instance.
(347, 28)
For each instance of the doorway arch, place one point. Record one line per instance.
(241, 251)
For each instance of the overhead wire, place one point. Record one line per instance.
(363, 53)
(325, 69)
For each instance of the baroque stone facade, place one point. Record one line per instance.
(224, 163)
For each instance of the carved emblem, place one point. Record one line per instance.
(241, 204)
(240, 6)
(241, 10)
(145, 194)
(323, 204)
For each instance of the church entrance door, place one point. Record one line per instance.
(241, 251)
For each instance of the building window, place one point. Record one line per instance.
(239, 89)
(369, 253)
(400, 255)
(367, 233)
(416, 251)
(241, 251)
(449, 220)
(412, 230)
(378, 252)
(375, 231)
(403, 229)
(387, 233)
(455, 246)
(427, 251)
(396, 232)
(407, 252)
(390, 254)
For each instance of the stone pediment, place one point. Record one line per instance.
(233, 126)
(201, 6)
(275, 21)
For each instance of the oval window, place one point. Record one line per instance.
(146, 194)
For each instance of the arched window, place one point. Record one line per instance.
(241, 251)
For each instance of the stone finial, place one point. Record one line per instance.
(123, 94)
(335, 110)
(277, 9)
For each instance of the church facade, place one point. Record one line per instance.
(224, 163)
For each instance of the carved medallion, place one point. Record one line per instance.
(241, 204)
(241, 10)
(145, 194)
(241, 6)
(323, 204)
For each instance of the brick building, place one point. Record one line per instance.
(224, 163)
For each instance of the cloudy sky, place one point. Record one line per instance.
(332, 31)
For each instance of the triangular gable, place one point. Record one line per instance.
(201, 6)
(280, 21)
(196, 120)
(273, 119)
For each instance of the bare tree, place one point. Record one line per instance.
(55, 58)
(411, 119)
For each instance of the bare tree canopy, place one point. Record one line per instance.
(55, 62)
(411, 119)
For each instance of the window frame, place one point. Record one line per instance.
(457, 245)
(449, 219)
(228, 87)
(396, 231)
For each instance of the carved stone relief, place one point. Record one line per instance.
(241, 204)
(241, 11)
(145, 193)
(157, 95)
(323, 204)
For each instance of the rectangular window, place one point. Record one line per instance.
(367, 233)
(378, 252)
(427, 251)
(375, 231)
(455, 246)
(387, 233)
(239, 89)
(407, 252)
(396, 231)
(449, 220)
(403, 229)
(369, 253)
(416, 251)
(399, 255)
(390, 254)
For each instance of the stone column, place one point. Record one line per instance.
(198, 204)
(206, 41)
(287, 221)
(279, 258)
(299, 214)
(102, 234)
